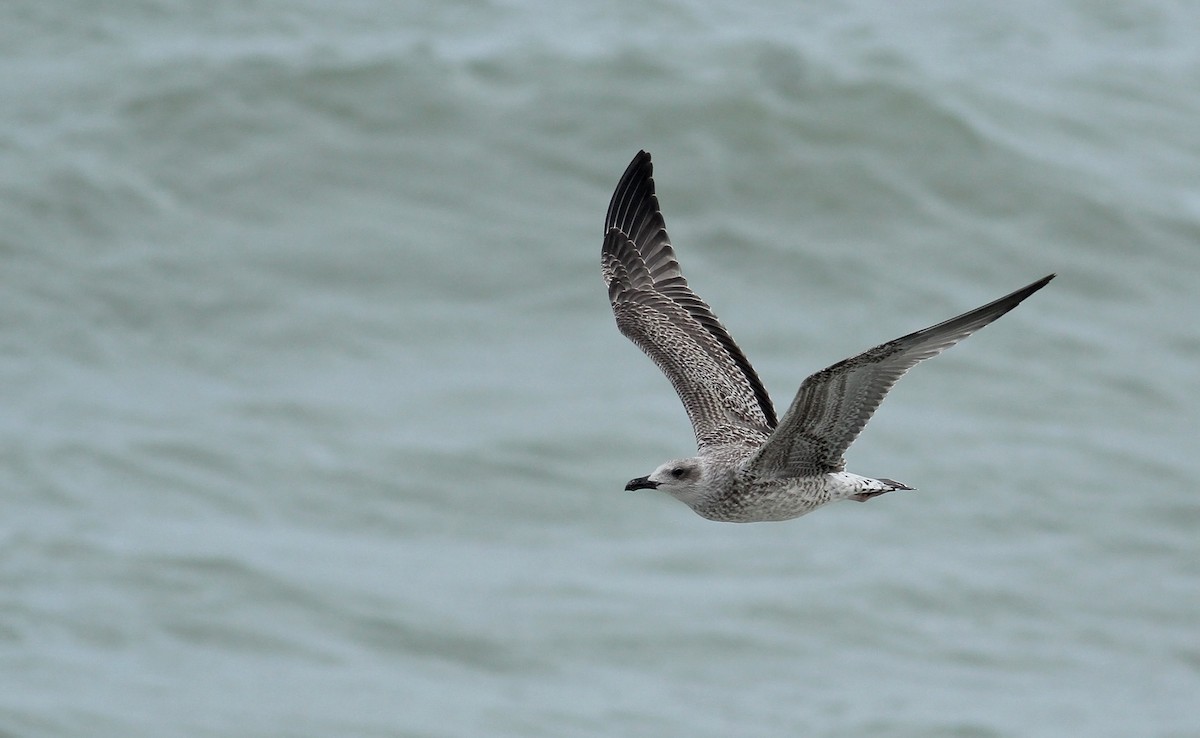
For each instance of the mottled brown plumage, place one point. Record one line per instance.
(750, 466)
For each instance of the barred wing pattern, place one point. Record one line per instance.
(832, 406)
(654, 307)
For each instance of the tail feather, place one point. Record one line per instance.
(885, 486)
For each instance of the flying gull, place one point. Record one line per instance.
(751, 466)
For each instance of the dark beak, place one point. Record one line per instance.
(640, 483)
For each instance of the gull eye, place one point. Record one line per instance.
(678, 472)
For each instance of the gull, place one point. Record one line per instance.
(750, 466)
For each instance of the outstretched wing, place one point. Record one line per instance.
(656, 309)
(833, 405)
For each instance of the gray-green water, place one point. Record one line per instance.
(315, 418)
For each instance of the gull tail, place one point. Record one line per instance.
(876, 487)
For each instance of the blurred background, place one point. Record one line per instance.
(316, 421)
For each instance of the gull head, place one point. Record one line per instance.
(686, 480)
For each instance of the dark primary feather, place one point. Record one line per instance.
(657, 310)
(832, 406)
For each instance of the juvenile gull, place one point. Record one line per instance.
(750, 466)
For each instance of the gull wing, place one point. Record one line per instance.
(832, 406)
(657, 310)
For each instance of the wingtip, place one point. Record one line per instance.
(1037, 285)
(633, 198)
(641, 160)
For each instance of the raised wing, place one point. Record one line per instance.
(833, 405)
(656, 309)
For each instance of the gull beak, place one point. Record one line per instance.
(640, 483)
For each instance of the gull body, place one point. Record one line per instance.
(751, 466)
